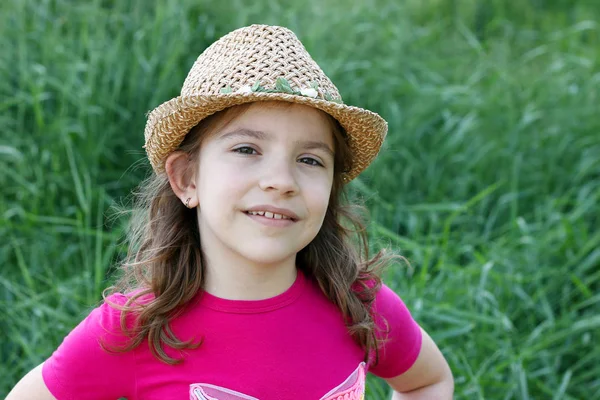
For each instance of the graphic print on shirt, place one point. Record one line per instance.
(353, 388)
(204, 391)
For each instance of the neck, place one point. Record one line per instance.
(243, 280)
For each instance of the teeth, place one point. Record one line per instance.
(267, 214)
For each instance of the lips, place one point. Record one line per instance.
(270, 215)
(265, 208)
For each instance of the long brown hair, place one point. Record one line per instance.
(164, 262)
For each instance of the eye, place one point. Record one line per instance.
(244, 150)
(311, 161)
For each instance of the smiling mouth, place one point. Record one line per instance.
(270, 215)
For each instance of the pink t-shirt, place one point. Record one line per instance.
(292, 346)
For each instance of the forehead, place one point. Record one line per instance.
(285, 120)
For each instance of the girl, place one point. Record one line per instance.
(243, 280)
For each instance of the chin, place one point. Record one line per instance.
(267, 255)
(268, 259)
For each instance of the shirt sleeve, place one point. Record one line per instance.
(400, 334)
(81, 369)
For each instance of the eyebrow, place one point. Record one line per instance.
(260, 135)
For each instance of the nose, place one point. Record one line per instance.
(279, 176)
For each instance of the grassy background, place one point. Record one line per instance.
(489, 181)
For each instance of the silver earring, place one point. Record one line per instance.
(187, 202)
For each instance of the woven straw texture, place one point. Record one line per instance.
(238, 60)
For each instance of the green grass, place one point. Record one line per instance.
(489, 181)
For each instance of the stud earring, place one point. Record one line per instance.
(187, 202)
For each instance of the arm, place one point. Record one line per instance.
(31, 387)
(80, 368)
(429, 377)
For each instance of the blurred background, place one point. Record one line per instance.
(489, 182)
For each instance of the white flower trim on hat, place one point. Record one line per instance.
(283, 86)
(310, 92)
(244, 89)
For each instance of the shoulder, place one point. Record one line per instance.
(388, 303)
(115, 312)
(399, 335)
(107, 322)
(86, 360)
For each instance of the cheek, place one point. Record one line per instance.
(217, 193)
(219, 186)
(317, 197)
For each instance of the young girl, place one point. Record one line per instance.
(244, 279)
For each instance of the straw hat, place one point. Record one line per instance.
(259, 63)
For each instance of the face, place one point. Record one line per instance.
(277, 160)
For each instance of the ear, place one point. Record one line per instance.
(181, 177)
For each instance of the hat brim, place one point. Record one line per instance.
(168, 124)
